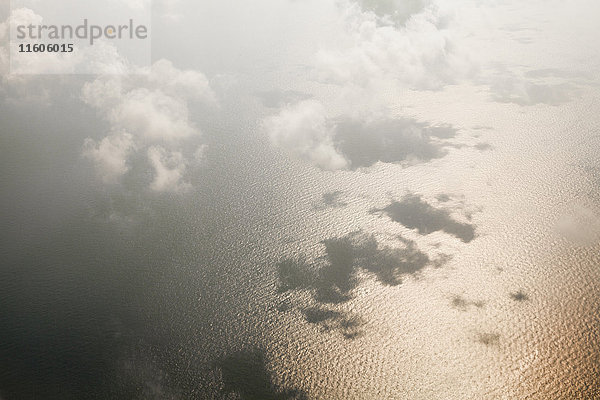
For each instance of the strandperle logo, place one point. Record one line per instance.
(86, 31)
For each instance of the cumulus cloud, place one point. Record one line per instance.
(419, 53)
(304, 130)
(153, 116)
(110, 155)
(150, 107)
(384, 46)
(169, 168)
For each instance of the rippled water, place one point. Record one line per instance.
(466, 276)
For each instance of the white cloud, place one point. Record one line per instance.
(152, 106)
(153, 116)
(384, 47)
(169, 170)
(420, 53)
(303, 130)
(110, 155)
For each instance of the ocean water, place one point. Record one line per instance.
(469, 272)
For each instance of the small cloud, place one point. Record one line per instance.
(304, 131)
(169, 169)
(110, 155)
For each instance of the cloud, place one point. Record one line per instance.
(415, 213)
(134, 4)
(169, 169)
(150, 107)
(110, 155)
(303, 129)
(344, 142)
(462, 304)
(153, 116)
(348, 324)
(384, 46)
(404, 43)
(519, 296)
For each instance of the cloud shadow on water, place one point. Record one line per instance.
(461, 303)
(331, 200)
(519, 296)
(489, 339)
(331, 278)
(415, 213)
(245, 373)
(390, 141)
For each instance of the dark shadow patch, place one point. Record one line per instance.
(527, 91)
(332, 277)
(348, 324)
(245, 374)
(339, 271)
(316, 315)
(489, 339)
(483, 146)
(391, 141)
(390, 264)
(295, 273)
(331, 200)
(415, 213)
(519, 296)
(462, 304)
